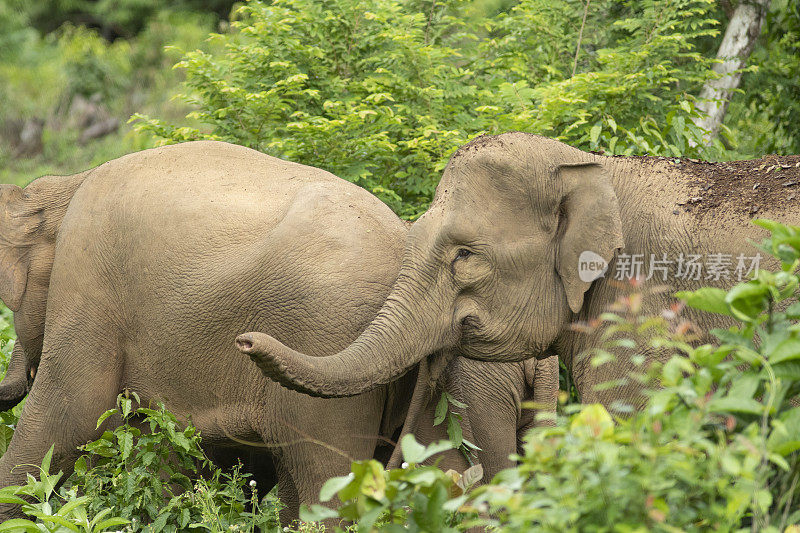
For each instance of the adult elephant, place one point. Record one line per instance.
(135, 275)
(509, 254)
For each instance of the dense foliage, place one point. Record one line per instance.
(762, 115)
(140, 480)
(381, 92)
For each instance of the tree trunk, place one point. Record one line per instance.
(738, 43)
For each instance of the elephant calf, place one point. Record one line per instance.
(29, 224)
(503, 402)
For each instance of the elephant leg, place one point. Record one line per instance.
(302, 470)
(287, 494)
(15, 383)
(498, 441)
(62, 409)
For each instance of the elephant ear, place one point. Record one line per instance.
(592, 229)
(18, 228)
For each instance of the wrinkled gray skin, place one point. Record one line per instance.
(148, 265)
(491, 269)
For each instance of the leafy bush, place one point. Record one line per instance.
(362, 88)
(763, 114)
(144, 476)
(382, 92)
(72, 516)
(156, 480)
(411, 498)
(639, 66)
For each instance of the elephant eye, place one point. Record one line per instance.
(463, 252)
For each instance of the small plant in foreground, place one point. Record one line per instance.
(161, 479)
(154, 481)
(73, 515)
(411, 498)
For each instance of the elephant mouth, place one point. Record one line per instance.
(482, 343)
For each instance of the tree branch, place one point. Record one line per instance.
(737, 45)
(580, 38)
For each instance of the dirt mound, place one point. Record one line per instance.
(478, 143)
(750, 185)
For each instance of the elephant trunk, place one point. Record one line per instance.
(15, 383)
(409, 326)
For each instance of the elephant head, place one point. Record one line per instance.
(29, 222)
(490, 270)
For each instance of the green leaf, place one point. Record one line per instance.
(785, 436)
(736, 405)
(454, 431)
(414, 452)
(373, 483)
(787, 350)
(46, 461)
(594, 134)
(333, 486)
(317, 513)
(441, 410)
(12, 498)
(61, 521)
(68, 507)
(709, 299)
(748, 300)
(789, 370)
(112, 523)
(125, 445)
(104, 416)
(18, 525)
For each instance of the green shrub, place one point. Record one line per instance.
(639, 65)
(154, 480)
(382, 92)
(145, 476)
(362, 88)
(411, 498)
